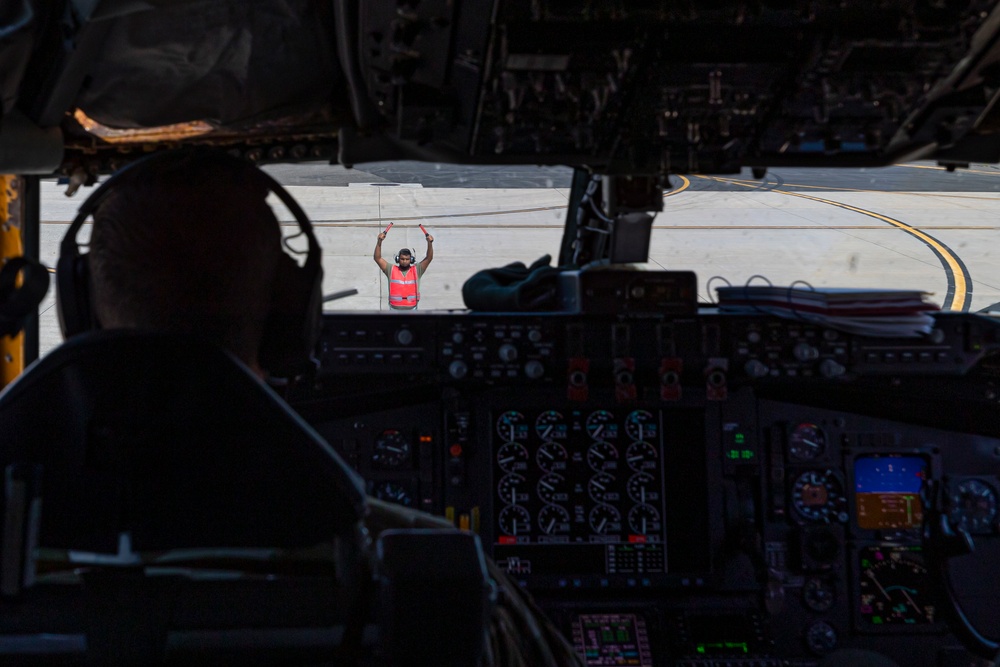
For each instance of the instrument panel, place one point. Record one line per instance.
(693, 511)
(581, 495)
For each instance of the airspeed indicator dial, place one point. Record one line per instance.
(806, 442)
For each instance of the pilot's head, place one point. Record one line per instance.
(191, 246)
(404, 258)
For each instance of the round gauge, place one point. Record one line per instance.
(551, 425)
(512, 457)
(391, 449)
(641, 425)
(393, 493)
(512, 489)
(818, 595)
(551, 456)
(644, 519)
(806, 442)
(552, 488)
(642, 456)
(512, 425)
(642, 488)
(818, 495)
(553, 520)
(605, 519)
(599, 487)
(601, 425)
(893, 587)
(821, 638)
(973, 506)
(514, 520)
(602, 456)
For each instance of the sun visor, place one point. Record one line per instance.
(218, 62)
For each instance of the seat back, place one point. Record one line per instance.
(173, 442)
(161, 443)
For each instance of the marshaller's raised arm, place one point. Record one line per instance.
(377, 255)
(430, 253)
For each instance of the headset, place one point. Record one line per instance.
(403, 251)
(19, 301)
(294, 320)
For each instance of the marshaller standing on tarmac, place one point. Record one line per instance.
(404, 278)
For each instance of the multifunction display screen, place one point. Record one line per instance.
(894, 589)
(612, 639)
(887, 491)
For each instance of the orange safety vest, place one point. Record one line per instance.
(403, 292)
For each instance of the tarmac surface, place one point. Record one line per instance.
(909, 226)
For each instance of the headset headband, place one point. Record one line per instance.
(294, 320)
(69, 246)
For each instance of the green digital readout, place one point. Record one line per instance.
(722, 647)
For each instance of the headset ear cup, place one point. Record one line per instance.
(19, 302)
(73, 295)
(293, 323)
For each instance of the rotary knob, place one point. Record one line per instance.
(805, 352)
(534, 369)
(756, 368)
(507, 352)
(404, 336)
(458, 369)
(829, 368)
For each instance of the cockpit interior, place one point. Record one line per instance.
(675, 483)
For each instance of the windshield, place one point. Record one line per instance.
(913, 226)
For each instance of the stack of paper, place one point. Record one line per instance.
(870, 312)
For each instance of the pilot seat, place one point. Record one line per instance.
(162, 505)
